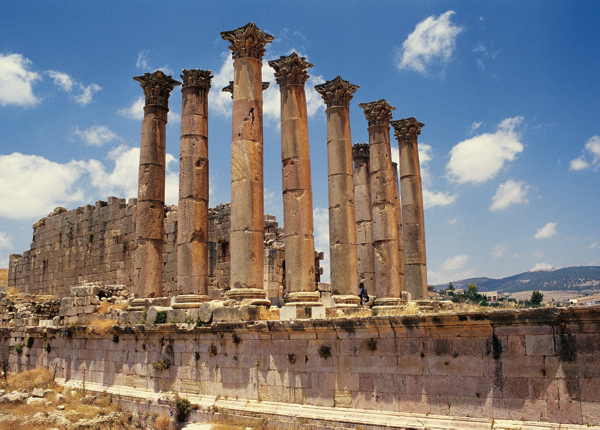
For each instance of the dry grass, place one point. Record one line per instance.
(104, 308)
(100, 326)
(37, 378)
(267, 314)
(12, 291)
(3, 277)
(241, 424)
(162, 423)
(120, 306)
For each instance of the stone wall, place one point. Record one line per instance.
(536, 365)
(96, 244)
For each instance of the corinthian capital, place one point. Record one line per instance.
(157, 87)
(337, 92)
(377, 113)
(247, 41)
(196, 78)
(360, 150)
(290, 70)
(405, 129)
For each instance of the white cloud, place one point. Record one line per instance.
(67, 83)
(321, 233)
(437, 198)
(218, 101)
(594, 245)
(509, 193)
(96, 135)
(455, 263)
(499, 250)
(63, 80)
(541, 266)
(5, 241)
(432, 42)
(4, 262)
(538, 253)
(591, 150)
(143, 63)
(31, 186)
(475, 126)
(87, 92)
(453, 221)
(546, 232)
(174, 117)
(135, 111)
(480, 158)
(16, 81)
(171, 181)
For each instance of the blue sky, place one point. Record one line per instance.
(508, 91)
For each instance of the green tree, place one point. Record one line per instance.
(450, 286)
(536, 297)
(473, 289)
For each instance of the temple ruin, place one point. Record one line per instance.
(233, 303)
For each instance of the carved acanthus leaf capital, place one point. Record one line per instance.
(157, 87)
(377, 113)
(407, 128)
(229, 88)
(290, 70)
(360, 150)
(337, 92)
(247, 41)
(196, 78)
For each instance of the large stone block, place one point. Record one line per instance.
(298, 213)
(294, 138)
(296, 174)
(247, 79)
(193, 177)
(248, 204)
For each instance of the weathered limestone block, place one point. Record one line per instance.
(152, 311)
(206, 309)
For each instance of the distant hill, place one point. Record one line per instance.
(583, 278)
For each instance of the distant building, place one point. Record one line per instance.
(491, 296)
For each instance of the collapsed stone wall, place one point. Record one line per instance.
(535, 365)
(95, 243)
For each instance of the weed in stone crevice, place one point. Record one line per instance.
(48, 348)
(115, 338)
(19, 348)
(161, 317)
(291, 357)
(197, 356)
(212, 350)
(324, 351)
(236, 339)
(372, 344)
(161, 364)
(29, 342)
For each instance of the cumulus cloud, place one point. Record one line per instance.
(134, 111)
(16, 81)
(220, 102)
(143, 63)
(499, 250)
(321, 233)
(453, 221)
(480, 158)
(509, 193)
(437, 198)
(68, 84)
(455, 263)
(96, 135)
(590, 156)
(546, 232)
(431, 43)
(5, 241)
(30, 185)
(541, 266)
(594, 245)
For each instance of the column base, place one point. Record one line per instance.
(346, 301)
(389, 301)
(240, 294)
(303, 299)
(188, 301)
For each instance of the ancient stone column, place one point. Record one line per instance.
(150, 212)
(413, 225)
(192, 213)
(337, 94)
(247, 194)
(364, 227)
(383, 211)
(291, 75)
(398, 206)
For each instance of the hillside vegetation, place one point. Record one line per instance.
(574, 279)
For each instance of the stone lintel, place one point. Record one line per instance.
(377, 112)
(337, 92)
(360, 150)
(247, 41)
(405, 129)
(196, 78)
(291, 70)
(157, 87)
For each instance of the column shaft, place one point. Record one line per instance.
(150, 212)
(297, 189)
(247, 193)
(342, 219)
(364, 227)
(413, 223)
(192, 217)
(398, 206)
